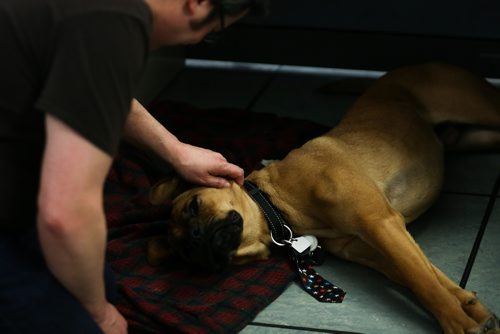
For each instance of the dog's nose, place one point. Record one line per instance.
(226, 235)
(195, 232)
(211, 246)
(234, 218)
(225, 238)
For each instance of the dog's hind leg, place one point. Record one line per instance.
(464, 107)
(469, 119)
(468, 137)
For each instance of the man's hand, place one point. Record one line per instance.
(205, 167)
(112, 321)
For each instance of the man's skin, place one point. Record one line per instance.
(71, 219)
(198, 165)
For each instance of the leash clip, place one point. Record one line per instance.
(284, 242)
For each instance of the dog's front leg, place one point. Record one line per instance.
(405, 262)
(356, 250)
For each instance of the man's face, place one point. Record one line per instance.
(179, 22)
(197, 33)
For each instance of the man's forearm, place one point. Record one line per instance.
(74, 251)
(144, 131)
(195, 164)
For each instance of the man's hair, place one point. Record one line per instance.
(223, 8)
(235, 7)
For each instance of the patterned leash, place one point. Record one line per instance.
(312, 282)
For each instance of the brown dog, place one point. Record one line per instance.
(355, 188)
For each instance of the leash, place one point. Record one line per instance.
(304, 250)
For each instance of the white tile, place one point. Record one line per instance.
(471, 173)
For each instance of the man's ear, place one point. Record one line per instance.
(198, 9)
(167, 189)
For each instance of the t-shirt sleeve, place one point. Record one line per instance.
(96, 62)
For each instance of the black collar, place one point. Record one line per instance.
(280, 231)
(281, 234)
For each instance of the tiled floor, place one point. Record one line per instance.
(446, 233)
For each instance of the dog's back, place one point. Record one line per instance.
(464, 107)
(407, 116)
(444, 96)
(389, 133)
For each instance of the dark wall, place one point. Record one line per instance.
(366, 34)
(470, 19)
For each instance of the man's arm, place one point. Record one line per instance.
(71, 219)
(195, 164)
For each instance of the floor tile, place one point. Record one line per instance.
(271, 329)
(471, 173)
(258, 329)
(299, 96)
(447, 231)
(374, 304)
(250, 329)
(211, 88)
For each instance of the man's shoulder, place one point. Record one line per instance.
(71, 8)
(56, 11)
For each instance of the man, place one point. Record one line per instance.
(68, 73)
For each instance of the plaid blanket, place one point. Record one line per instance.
(175, 298)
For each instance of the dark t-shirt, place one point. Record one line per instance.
(78, 60)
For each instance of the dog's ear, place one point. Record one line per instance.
(167, 189)
(159, 251)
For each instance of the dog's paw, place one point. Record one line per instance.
(490, 326)
(158, 251)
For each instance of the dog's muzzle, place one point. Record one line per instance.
(213, 245)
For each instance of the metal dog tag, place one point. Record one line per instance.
(301, 245)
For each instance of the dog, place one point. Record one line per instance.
(355, 188)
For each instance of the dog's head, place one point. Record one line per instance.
(211, 227)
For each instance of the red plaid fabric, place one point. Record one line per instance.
(175, 298)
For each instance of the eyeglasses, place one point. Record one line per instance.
(221, 18)
(216, 35)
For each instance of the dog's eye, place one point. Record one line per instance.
(193, 207)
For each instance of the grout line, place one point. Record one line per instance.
(316, 330)
(464, 193)
(294, 69)
(288, 69)
(484, 223)
(261, 91)
(229, 65)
